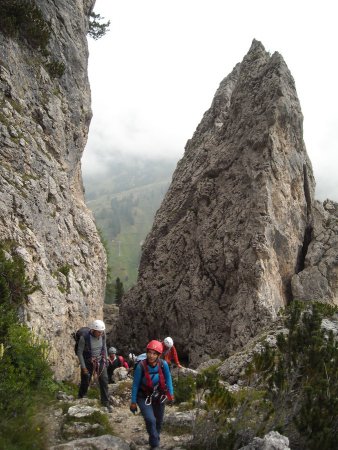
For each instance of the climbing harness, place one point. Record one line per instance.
(156, 395)
(99, 364)
(157, 392)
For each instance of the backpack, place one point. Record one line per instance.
(77, 334)
(139, 358)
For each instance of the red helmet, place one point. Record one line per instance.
(156, 346)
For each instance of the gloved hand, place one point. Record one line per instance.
(133, 407)
(171, 399)
(84, 370)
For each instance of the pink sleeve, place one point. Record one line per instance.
(123, 362)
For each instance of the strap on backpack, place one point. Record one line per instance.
(149, 388)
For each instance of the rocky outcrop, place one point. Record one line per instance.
(235, 224)
(44, 118)
(104, 442)
(271, 441)
(319, 279)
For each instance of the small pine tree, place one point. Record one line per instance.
(119, 291)
(96, 28)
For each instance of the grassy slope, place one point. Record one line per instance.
(124, 201)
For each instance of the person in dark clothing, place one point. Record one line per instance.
(152, 387)
(92, 354)
(114, 361)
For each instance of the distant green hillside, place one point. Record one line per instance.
(124, 200)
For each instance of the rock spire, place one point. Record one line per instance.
(235, 224)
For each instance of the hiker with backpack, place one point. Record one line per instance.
(152, 388)
(92, 354)
(169, 352)
(115, 361)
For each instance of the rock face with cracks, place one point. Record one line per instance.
(44, 120)
(235, 225)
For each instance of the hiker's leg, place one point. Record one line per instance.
(110, 373)
(85, 380)
(150, 420)
(158, 409)
(103, 381)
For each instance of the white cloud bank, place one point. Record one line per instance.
(155, 73)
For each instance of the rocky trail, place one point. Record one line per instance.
(75, 424)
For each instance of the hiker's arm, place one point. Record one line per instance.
(168, 379)
(175, 356)
(80, 349)
(136, 383)
(105, 348)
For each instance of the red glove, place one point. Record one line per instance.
(170, 399)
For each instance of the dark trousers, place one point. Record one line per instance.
(103, 382)
(153, 417)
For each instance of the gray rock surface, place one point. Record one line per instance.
(319, 278)
(235, 223)
(82, 411)
(105, 442)
(233, 369)
(44, 124)
(271, 441)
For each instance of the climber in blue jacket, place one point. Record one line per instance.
(152, 388)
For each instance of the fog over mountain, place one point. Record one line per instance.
(153, 75)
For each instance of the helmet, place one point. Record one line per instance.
(97, 325)
(168, 342)
(112, 350)
(156, 346)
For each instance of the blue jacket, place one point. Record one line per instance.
(139, 379)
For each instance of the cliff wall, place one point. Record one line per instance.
(44, 119)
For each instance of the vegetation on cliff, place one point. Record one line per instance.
(25, 376)
(290, 388)
(24, 21)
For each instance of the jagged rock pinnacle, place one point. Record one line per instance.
(228, 237)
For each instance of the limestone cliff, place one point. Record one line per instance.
(319, 278)
(235, 224)
(44, 119)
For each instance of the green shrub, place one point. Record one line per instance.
(295, 390)
(65, 269)
(55, 68)
(184, 388)
(214, 430)
(26, 381)
(301, 374)
(22, 19)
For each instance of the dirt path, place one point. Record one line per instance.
(127, 426)
(132, 429)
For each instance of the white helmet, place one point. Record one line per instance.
(98, 325)
(168, 342)
(112, 350)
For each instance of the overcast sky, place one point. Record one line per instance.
(156, 71)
